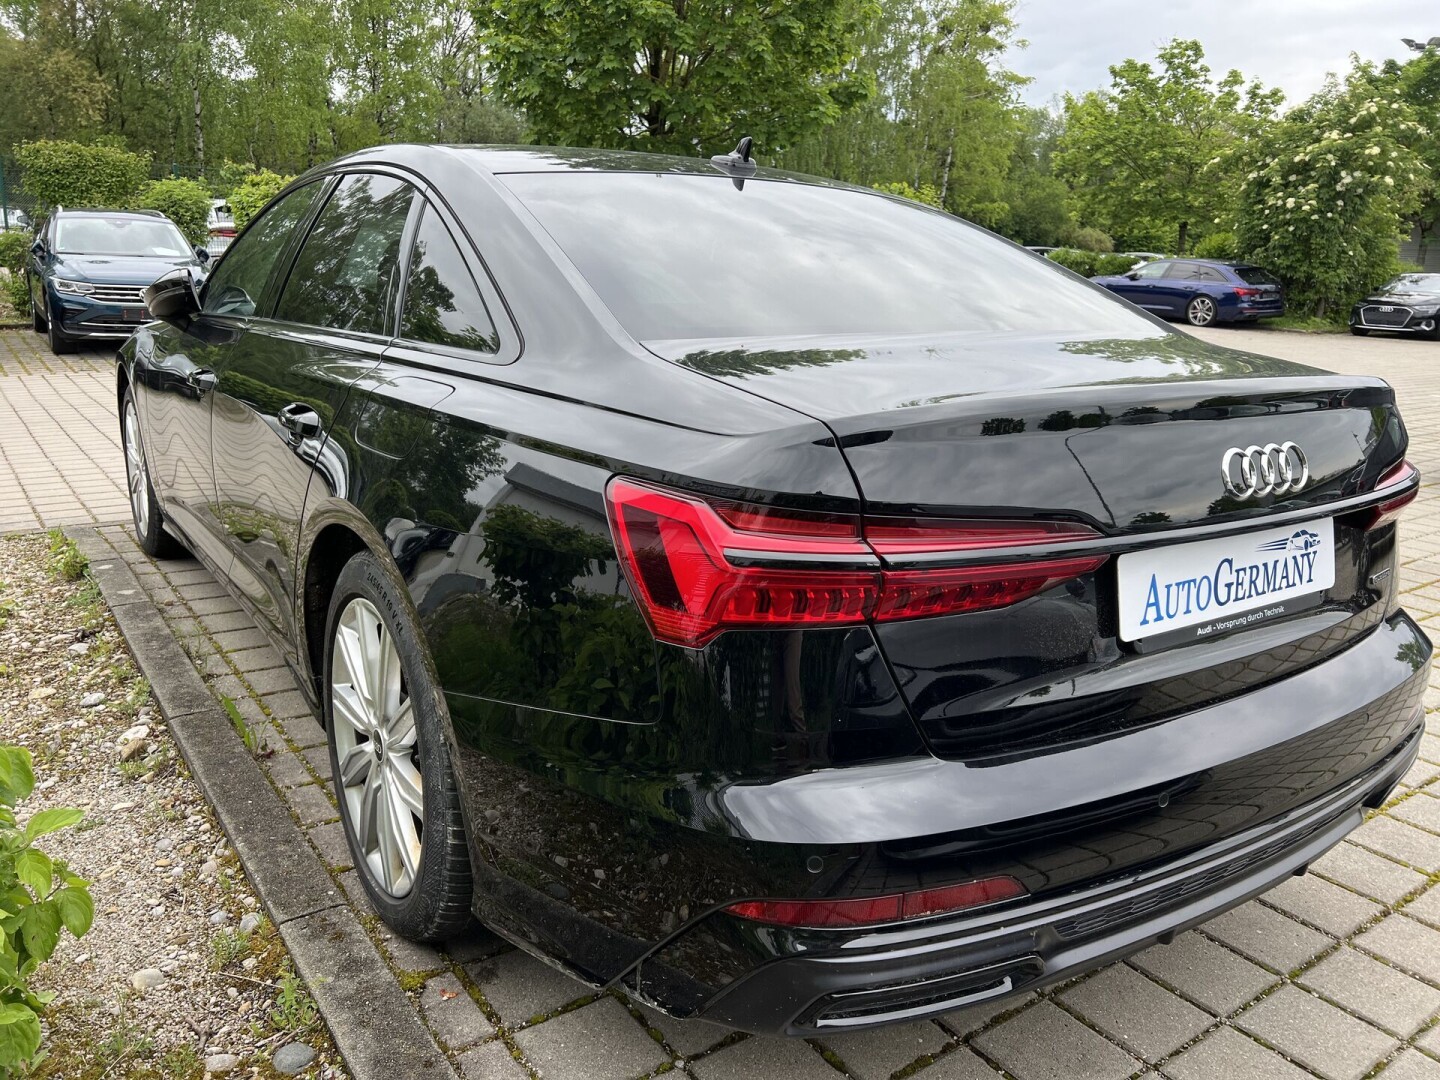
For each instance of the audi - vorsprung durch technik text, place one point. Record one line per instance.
(787, 602)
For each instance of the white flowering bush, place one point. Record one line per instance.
(1324, 192)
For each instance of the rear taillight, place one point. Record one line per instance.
(869, 910)
(1389, 510)
(699, 568)
(1245, 294)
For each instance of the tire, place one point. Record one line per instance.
(1359, 331)
(145, 511)
(370, 639)
(1201, 311)
(60, 342)
(1433, 334)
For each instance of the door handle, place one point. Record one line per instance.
(202, 379)
(300, 420)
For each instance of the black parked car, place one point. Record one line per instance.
(788, 602)
(89, 270)
(1408, 305)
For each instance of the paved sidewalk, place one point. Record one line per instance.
(59, 437)
(1334, 975)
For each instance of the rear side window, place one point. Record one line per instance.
(690, 256)
(237, 282)
(443, 306)
(345, 275)
(1254, 275)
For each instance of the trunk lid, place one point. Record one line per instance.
(1127, 436)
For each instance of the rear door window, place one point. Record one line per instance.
(1184, 271)
(443, 305)
(237, 284)
(346, 275)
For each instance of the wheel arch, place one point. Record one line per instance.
(334, 545)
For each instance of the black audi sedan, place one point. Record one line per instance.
(1410, 304)
(787, 602)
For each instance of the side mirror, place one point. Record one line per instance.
(173, 299)
(37, 248)
(1133, 276)
(202, 254)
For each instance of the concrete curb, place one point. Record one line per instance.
(375, 1027)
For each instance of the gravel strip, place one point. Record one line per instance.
(181, 975)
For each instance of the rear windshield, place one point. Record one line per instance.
(1253, 275)
(686, 257)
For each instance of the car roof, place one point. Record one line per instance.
(98, 212)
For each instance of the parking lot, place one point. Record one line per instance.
(1333, 975)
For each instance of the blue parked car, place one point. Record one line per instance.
(1200, 291)
(89, 270)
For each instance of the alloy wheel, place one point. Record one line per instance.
(136, 476)
(375, 745)
(1202, 311)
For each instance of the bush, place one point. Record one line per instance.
(229, 176)
(1091, 263)
(252, 193)
(1088, 239)
(75, 174)
(41, 896)
(185, 202)
(14, 257)
(1218, 245)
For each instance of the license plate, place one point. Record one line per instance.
(135, 314)
(1213, 586)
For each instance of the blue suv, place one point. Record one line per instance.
(89, 270)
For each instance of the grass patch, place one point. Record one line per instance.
(1305, 324)
(66, 559)
(227, 947)
(295, 1010)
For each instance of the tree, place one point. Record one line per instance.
(1418, 83)
(1327, 187)
(48, 93)
(1138, 155)
(1035, 197)
(687, 77)
(943, 111)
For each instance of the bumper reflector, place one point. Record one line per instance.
(868, 910)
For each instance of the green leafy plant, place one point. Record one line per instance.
(248, 735)
(14, 256)
(1091, 263)
(251, 194)
(59, 173)
(38, 897)
(928, 194)
(66, 559)
(1218, 245)
(185, 202)
(295, 1009)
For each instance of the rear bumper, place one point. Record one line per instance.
(881, 978)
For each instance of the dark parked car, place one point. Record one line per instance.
(89, 268)
(1200, 291)
(1408, 305)
(792, 604)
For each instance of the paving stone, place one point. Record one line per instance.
(792, 1059)
(491, 1062)
(519, 987)
(359, 900)
(1398, 840)
(319, 759)
(876, 1055)
(1314, 900)
(476, 943)
(290, 704)
(1412, 1065)
(1374, 991)
(311, 804)
(1426, 906)
(1225, 1054)
(1316, 1034)
(960, 1063)
(225, 621)
(452, 1013)
(202, 591)
(226, 685)
(1420, 773)
(1430, 1040)
(330, 841)
(601, 1041)
(969, 1020)
(248, 638)
(253, 660)
(686, 1037)
(1140, 1015)
(1368, 873)
(1405, 943)
(1420, 808)
(1272, 939)
(1205, 972)
(1046, 1043)
(411, 956)
(303, 731)
(287, 769)
(270, 680)
(216, 604)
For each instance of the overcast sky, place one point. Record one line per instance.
(1285, 43)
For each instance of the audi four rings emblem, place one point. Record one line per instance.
(1272, 469)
